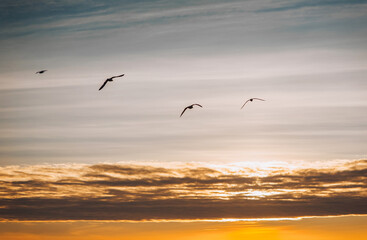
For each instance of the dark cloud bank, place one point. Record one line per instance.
(131, 192)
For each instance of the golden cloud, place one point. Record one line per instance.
(192, 191)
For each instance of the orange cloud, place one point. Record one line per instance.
(196, 191)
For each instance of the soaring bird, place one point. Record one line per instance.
(190, 107)
(40, 72)
(109, 80)
(252, 99)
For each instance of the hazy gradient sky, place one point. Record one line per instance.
(316, 229)
(308, 59)
(73, 158)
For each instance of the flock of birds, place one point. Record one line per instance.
(188, 107)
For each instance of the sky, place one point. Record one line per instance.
(73, 157)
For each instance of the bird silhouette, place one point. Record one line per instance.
(109, 80)
(250, 100)
(40, 72)
(190, 107)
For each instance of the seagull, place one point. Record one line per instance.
(252, 99)
(190, 107)
(109, 80)
(40, 72)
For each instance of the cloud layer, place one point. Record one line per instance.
(195, 191)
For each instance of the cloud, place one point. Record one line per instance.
(36, 18)
(195, 191)
(286, 6)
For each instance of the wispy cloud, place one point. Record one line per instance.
(286, 6)
(300, 119)
(191, 191)
(60, 17)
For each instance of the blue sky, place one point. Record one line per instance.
(306, 58)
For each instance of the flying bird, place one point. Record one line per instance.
(40, 72)
(190, 107)
(252, 99)
(109, 80)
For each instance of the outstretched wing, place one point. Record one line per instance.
(245, 103)
(259, 99)
(40, 72)
(117, 76)
(197, 105)
(183, 111)
(104, 84)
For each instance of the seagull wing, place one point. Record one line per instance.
(197, 105)
(117, 76)
(183, 111)
(245, 103)
(259, 99)
(104, 84)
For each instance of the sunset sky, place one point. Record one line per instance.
(79, 163)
